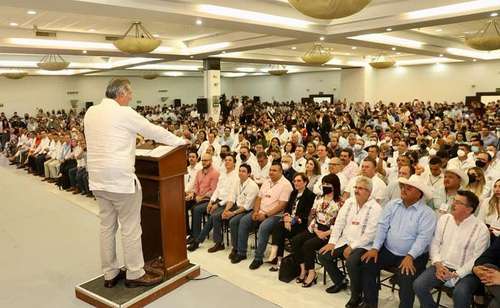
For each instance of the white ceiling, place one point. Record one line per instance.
(422, 31)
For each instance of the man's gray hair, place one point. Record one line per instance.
(366, 181)
(116, 87)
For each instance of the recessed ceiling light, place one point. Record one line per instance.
(31, 12)
(293, 48)
(199, 22)
(393, 48)
(474, 60)
(388, 29)
(441, 55)
(439, 30)
(84, 51)
(156, 35)
(13, 24)
(494, 14)
(223, 51)
(92, 30)
(322, 38)
(398, 53)
(354, 48)
(191, 57)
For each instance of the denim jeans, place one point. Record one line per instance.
(197, 215)
(234, 225)
(265, 229)
(215, 222)
(462, 292)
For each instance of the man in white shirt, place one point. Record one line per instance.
(211, 141)
(460, 238)
(261, 173)
(335, 166)
(110, 131)
(435, 177)
(239, 203)
(193, 167)
(442, 196)
(323, 159)
(368, 169)
(462, 161)
(299, 163)
(351, 169)
(216, 206)
(352, 235)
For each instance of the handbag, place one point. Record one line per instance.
(289, 269)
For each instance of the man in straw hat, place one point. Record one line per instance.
(404, 233)
(443, 196)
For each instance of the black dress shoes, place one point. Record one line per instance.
(255, 264)
(237, 259)
(366, 305)
(354, 302)
(193, 246)
(233, 253)
(112, 282)
(336, 288)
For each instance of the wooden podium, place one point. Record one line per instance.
(163, 232)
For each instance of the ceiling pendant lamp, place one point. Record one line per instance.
(150, 76)
(382, 61)
(329, 9)
(317, 55)
(53, 63)
(277, 70)
(15, 75)
(487, 38)
(141, 42)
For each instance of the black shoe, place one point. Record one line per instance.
(274, 268)
(193, 246)
(354, 302)
(255, 264)
(366, 305)
(238, 259)
(112, 282)
(273, 261)
(233, 253)
(216, 247)
(190, 240)
(336, 288)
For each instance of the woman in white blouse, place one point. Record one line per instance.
(490, 210)
(313, 172)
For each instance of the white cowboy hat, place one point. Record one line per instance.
(462, 175)
(419, 183)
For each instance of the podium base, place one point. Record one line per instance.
(94, 293)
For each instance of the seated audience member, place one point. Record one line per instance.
(294, 220)
(52, 166)
(261, 173)
(313, 173)
(403, 237)
(392, 191)
(239, 203)
(368, 169)
(489, 211)
(490, 168)
(193, 167)
(351, 236)
(442, 197)
(460, 238)
(80, 156)
(323, 159)
(299, 162)
(286, 165)
(351, 169)
(67, 163)
(335, 166)
(323, 214)
(487, 269)
(358, 151)
(463, 161)
(204, 186)
(435, 176)
(269, 204)
(477, 182)
(215, 208)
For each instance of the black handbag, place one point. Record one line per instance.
(289, 269)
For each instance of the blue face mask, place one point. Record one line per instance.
(475, 148)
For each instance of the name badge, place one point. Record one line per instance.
(355, 223)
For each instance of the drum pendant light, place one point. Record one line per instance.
(487, 38)
(317, 55)
(382, 61)
(141, 42)
(329, 9)
(53, 63)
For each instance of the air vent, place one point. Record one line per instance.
(45, 33)
(112, 38)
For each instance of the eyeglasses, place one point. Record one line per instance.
(360, 188)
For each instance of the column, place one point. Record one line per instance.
(211, 82)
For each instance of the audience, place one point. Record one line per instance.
(423, 162)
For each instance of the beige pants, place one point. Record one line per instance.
(53, 168)
(126, 209)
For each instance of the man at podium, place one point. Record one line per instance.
(110, 130)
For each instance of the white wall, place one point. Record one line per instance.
(288, 87)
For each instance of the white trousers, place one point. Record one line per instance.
(52, 168)
(126, 209)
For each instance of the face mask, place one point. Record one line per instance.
(285, 166)
(472, 178)
(480, 164)
(492, 154)
(461, 153)
(316, 142)
(243, 157)
(327, 190)
(432, 152)
(357, 147)
(475, 149)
